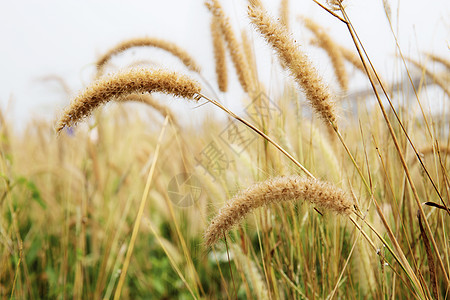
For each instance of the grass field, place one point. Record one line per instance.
(311, 192)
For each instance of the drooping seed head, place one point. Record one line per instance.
(168, 46)
(234, 47)
(437, 79)
(295, 61)
(333, 51)
(277, 190)
(122, 84)
(219, 55)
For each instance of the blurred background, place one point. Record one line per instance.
(49, 47)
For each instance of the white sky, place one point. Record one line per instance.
(64, 38)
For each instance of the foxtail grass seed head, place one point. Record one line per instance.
(437, 79)
(326, 43)
(219, 55)
(295, 61)
(353, 58)
(249, 56)
(170, 47)
(440, 60)
(350, 56)
(335, 4)
(122, 84)
(284, 13)
(276, 190)
(251, 272)
(234, 47)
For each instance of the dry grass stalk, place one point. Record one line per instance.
(219, 55)
(152, 102)
(431, 264)
(122, 84)
(387, 9)
(177, 51)
(4, 134)
(276, 190)
(326, 42)
(234, 47)
(295, 61)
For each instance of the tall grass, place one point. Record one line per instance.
(128, 201)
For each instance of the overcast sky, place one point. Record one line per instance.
(64, 37)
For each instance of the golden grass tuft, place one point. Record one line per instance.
(326, 42)
(79, 190)
(219, 55)
(177, 51)
(122, 84)
(284, 13)
(234, 47)
(276, 190)
(295, 61)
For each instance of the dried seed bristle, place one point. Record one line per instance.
(284, 14)
(219, 55)
(234, 47)
(249, 56)
(296, 62)
(326, 43)
(276, 190)
(122, 84)
(174, 49)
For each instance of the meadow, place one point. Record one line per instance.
(309, 192)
